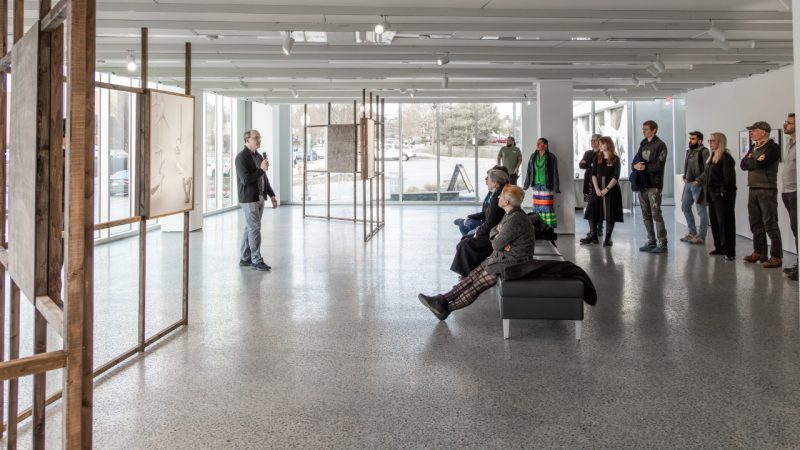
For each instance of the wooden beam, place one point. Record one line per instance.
(79, 301)
(186, 216)
(52, 313)
(118, 87)
(40, 381)
(143, 149)
(57, 131)
(19, 19)
(55, 17)
(116, 223)
(13, 354)
(30, 365)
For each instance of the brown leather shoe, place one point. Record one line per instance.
(772, 263)
(755, 258)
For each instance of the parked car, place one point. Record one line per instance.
(118, 183)
(297, 155)
(391, 153)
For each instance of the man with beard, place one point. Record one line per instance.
(587, 163)
(652, 158)
(693, 176)
(510, 157)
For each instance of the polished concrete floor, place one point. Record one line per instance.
(333, 350)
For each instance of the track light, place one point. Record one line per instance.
(655, 87)
(131, 61)
(242, 83)
(445, 81)
(294, 93)
(383, 26)
(724, 45)
(413, 93)
(636, 81)
(716, 34)
(658, 64)
(288, 43)
(444, 59)
(786, 4)
(652, 70)
(527, 99)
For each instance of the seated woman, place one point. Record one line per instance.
(469, 224)
(471, 251)
(512, 242)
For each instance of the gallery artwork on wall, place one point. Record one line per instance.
(342, 148)
(168, 187)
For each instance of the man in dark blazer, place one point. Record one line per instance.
(254, 188)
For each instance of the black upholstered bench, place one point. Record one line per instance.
(541, 298)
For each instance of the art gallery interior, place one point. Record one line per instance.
(128, 323)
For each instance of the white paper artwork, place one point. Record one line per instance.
(171, 165)
(342, 148)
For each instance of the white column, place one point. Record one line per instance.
(530, 132)
(554, 101)
(796, 39)
(175, 222)
(282, 136)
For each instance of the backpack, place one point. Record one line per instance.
(543, 231)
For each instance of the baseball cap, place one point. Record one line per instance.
(511, 138)
(760, 125)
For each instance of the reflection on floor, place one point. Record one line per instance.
(332, 348)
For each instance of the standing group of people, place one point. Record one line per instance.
(601, 189)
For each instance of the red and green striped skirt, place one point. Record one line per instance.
(543, 204)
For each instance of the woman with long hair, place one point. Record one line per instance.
(720, 186)
(606, 202)
(542, 176)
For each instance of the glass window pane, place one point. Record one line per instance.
(459, 123)
(419, 138)
(211, 151)
(227, 142)
(119, 153)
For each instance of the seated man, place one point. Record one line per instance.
(469, 224)
(513, 242)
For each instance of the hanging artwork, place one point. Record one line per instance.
(367, 148)
(342, 148)
(168, 185)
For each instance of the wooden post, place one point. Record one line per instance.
(188, 83)
(13, 353)
(79, 246)
(355, 164)
(143, 224)
(3, 122)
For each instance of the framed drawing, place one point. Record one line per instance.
(168, 157)
(22, 170)
(342, 148)
(367, 147)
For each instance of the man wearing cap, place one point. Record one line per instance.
(761, 164)
(510, 157)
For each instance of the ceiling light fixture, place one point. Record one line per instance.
(786, 4)
(445, 81)
(658, 64)
(652, 70)
(288, 43)
(724, 45)
(131, 61)
(656, 87)
(444, 59)
(383, 26)
(716, 34)
(294, 93)
(636, 81)
(413, 93)
(242, 83)
(527, 99)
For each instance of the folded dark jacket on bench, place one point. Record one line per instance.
(552, 269)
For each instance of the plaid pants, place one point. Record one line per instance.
(468, 289)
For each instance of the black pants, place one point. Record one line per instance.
(723, 223)
(762, 210)
(790, 202)
(513, 178)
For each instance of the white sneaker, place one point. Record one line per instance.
(688, 238)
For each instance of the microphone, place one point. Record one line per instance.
(264, 155)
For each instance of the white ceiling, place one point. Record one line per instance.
(237, 47)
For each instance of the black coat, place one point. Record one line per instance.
(247, 175)
(551, 180)
(553, 269)
(491, 214)
(470, 253)
(587, 162)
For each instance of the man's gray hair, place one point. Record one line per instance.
(248, 133)
(596, 136)
(498, 176)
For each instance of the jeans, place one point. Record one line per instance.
(691, 195)
(467, 226)
(650, 202)
(251, 241)
(762, 211)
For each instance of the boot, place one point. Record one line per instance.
(609, 229)
(592, 237)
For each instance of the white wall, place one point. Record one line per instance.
(729, 108)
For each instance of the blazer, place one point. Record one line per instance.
(492, 214)
(517, 231)
(247, 175)
(551, 180)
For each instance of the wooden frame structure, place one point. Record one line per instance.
(65, 217)
(374, 209)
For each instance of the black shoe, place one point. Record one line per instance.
(793, 275)
(730, 258)
(607, 243)
(437, 304)
(715, 252)
(590, 240)
(788, 270)
(261, 266)
(245, 263)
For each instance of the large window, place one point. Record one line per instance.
(219, 117)
(432, 151)
(610, 119)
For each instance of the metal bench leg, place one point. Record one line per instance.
(506, 328)
(578, 324)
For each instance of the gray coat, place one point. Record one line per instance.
(517, 231)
